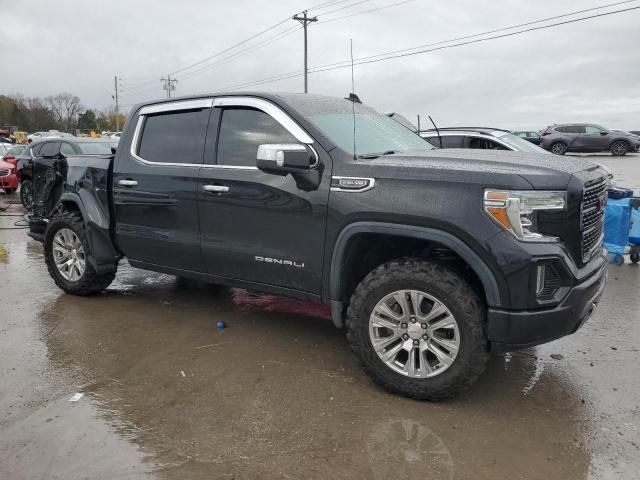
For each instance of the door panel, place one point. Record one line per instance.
(594, 139)
(265, 228)
(155, 198)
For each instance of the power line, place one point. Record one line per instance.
(345, 7)
(217, 54)
(241, 52)
(542, 20)
(147, 80)
(365, 11)
(398, 54)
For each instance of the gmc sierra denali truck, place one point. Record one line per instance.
(430, 259)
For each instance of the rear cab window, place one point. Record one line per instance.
(174, 136)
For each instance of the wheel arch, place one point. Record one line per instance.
(339, 284)
(104, 253)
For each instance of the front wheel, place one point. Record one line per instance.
(26, 194)
(619, 149)
(68, 256)
(418, 329)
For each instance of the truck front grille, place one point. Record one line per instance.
(4, 173)
(592, 215)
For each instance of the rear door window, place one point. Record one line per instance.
(593, 130)
(174, 137)
(575, 129)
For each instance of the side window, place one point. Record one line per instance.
(591, 130)
(561, 129)
(35, 150)
(67, 149)
(174, 137)
(49, 149)
(575, 129)
(242, 130)
(450, 141)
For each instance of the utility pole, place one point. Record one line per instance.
(169, 85)
(115, 83)
(304, 20)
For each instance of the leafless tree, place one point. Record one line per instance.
(65, 108)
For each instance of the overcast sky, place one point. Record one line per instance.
(588, 71)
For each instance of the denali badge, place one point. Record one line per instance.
(279, 261)
(352, 184)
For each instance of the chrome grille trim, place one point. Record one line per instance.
(592, 216)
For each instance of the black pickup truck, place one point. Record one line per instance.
(429, 259)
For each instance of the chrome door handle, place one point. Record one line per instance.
(127, 183)
(215, 188)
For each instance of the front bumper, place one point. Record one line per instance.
(514, 330)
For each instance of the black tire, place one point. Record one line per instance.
(619, 148)
(460, 298)
(634, 256)
(90, 282)
(558, 148)
(26, 194)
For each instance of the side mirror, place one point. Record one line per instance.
(281, 159)
(604, 133)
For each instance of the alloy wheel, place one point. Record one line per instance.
(414, 333)
(558, 148)
(619, 148)
(69, 255)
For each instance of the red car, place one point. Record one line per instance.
(12, 151)
(8, 177)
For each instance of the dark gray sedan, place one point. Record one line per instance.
(587, 138)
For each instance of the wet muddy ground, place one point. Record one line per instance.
(278, 394)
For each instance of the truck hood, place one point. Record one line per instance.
(540, 170)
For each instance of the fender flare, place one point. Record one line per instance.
(104, 254)
(481, 269)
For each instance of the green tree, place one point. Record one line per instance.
(87, 120)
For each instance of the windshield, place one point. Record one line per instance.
(520, 144)
(375, 133)
(96, 148)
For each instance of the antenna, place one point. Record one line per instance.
(353, 103)
(437, 131)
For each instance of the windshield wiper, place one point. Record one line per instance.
(376, 155)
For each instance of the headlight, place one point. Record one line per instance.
(516, 210)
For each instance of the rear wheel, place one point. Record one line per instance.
(619, 149)
(418, 329)
(559, 148)
(26, 194)
(68, 256)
